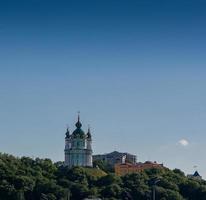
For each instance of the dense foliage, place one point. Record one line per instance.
(28, 179)
(105, 166)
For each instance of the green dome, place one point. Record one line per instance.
(78, 132)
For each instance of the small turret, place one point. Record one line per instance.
(67, 133)
(67, 139)
(89, 136)
(89, 139)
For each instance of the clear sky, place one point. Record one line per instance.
(135, 69)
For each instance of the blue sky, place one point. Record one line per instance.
(135, 70)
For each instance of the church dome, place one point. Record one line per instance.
(78, 132)
(78, 124)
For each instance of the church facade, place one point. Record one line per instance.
(78, 147)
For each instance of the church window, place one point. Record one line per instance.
(78, 143)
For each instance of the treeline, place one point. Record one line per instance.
(40, 179)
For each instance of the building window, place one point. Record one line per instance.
(78, 143)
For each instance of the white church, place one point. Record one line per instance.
(78, 147)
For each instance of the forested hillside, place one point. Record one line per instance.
(28, 179)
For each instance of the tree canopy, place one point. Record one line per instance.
(41, 179)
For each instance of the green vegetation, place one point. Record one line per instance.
(40, 179)
(94, 172)
(104, 166)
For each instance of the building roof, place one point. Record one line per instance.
(115, 153)
(78, 132)
(196, 174)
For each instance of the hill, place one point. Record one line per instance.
(40, 179)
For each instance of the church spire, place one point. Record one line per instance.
(78, 124)
(78, 116)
